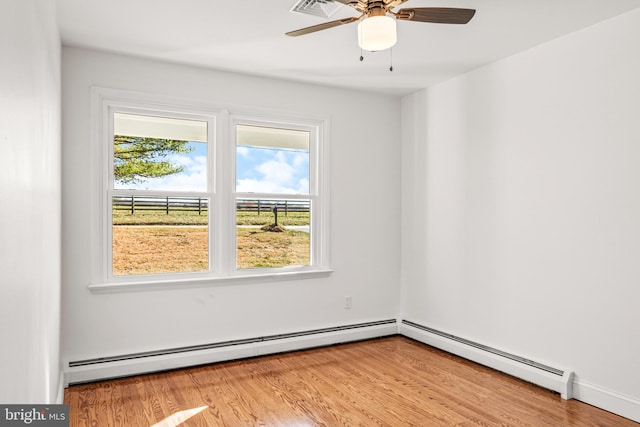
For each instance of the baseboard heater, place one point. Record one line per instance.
(100, 368)
(555, 379)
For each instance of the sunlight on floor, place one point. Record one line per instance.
(179, 417)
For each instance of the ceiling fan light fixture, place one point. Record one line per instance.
(377, 33)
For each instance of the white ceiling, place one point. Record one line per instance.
(248, 36)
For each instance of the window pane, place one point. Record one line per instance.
(154, 235)
(272, 160)
(272, 233)
(159, 153)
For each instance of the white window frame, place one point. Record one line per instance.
(313, 195)
(220, 190)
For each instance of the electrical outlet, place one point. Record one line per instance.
(347, 302)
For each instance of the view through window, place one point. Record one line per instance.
(273, 207)
(159, 202)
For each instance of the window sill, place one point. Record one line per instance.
(171, 284)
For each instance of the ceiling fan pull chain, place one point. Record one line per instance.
(391, 59)
(359, 38)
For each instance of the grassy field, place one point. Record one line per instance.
(192, 218)
(158, 218)
(252, 218)
(256, 248)
(153, 242)
(148, 250)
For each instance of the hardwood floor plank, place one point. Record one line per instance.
(391, 381)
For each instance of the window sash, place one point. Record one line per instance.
(313, 127)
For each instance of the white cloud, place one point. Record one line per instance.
(303, 185)
(278, 172)
(278, 176)
(193, 178)
(250, 185)
(300, 160)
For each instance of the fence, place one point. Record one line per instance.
(135, 204)
(265, 205)
(200, 205)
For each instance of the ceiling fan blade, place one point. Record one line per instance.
(437, 15)
(359, 5)
(323, 26)
(394, 3)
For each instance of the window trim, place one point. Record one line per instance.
(220, 190)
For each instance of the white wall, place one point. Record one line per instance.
(365, 245)
(30, 202)
(521, 208)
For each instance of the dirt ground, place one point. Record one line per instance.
(162, 249)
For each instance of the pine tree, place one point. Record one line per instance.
(139, 158)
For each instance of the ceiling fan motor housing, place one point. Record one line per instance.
(376, 8)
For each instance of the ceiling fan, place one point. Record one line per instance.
(377, 28)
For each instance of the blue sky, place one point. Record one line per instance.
(268, 170)
(258, 169)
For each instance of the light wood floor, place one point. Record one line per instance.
(385, 382)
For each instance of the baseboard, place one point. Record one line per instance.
(83, 371)
(608, 400)
(559, 380)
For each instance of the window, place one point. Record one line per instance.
(272, 198)
(159, 199)
(194, 194)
